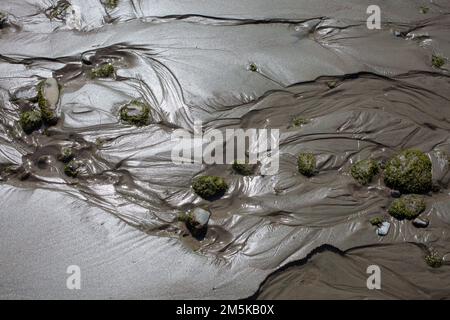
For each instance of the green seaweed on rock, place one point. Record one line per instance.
(407, 207)
(364, 171)
(209, 187)
(409, 172)
(306, 164)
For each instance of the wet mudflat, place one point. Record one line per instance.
(98, 188)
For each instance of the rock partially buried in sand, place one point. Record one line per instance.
(30, 121)
(196, 221)
(395, 194)
(409, 172)
(136, 113)
(383, 229)
(306, 164)
(48, 97)
(209, 187)
(420, 222)
(407, 207)
(364, 171)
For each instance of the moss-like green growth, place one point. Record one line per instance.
(209, 187)
(105, 70)
(59, 10)
(30, 121)
(332, 84)
(111, 4)
(136, 113)
(243, 168)
(409, 172)
(407, 207)
(437, 61)
(424, 10)
(253, 67)
(364, 171)
(49, 117)
(299, 121)
(66, 155)
(377, 221)
(185, 217)
(72, 168)
(434, 260)
(306, 164)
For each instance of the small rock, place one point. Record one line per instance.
(396, 194)
(421, 222)
(383, 229)
(199, 218)
(51, 92)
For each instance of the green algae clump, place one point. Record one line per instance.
(72, 168)
(105, 70)
(243, 168)
(111, 4)
(209, 187)
(437, 61)
(66, 155)
(377, 221)
(47, 105)
(409, 172)
(306, 164)
(407, 207)
(136, 113)
(434, 260)
(299, 121)
(30, 120)
(253, 67)
(424, 10)
(364, 171)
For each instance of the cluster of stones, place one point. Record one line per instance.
(409, 175)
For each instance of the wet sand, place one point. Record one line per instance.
(367, 93)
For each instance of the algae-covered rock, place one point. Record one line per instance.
(105, 70)
(437, 61)
(409, 172)
(48, 97)
(243, 168)
(306, 164)
(30, 120)
(67, 154)
(136, 113)
(299, 121)
(72, 169)
(364, 171)
(253, 67)
(434, 260)
(407, 207)
(377, 221)
(111, 4)
(209, 187)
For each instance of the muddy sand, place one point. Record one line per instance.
(364, 94)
